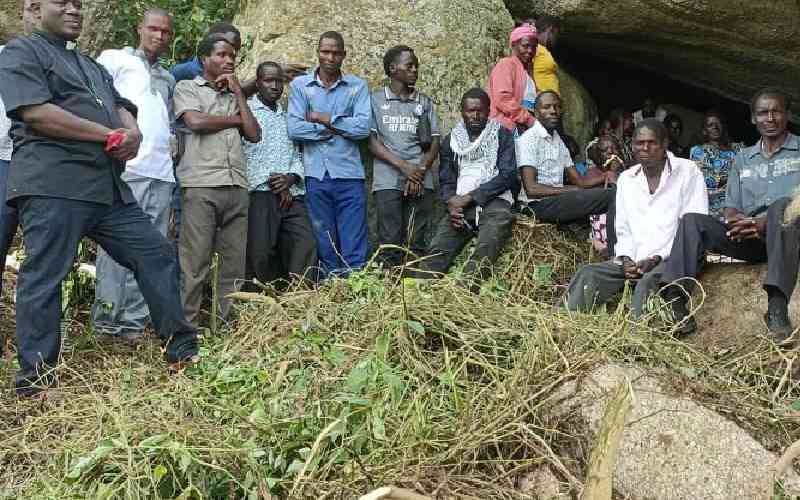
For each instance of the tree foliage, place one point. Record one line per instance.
(192, 19)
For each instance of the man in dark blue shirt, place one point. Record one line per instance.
(72, 135)
(189, 70)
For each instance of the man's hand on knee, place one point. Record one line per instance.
(747, 228)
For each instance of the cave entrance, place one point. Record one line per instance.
(613, 84)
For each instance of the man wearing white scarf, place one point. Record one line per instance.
(477, 173)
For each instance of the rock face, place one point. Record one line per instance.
(732, 47)
(10, 19)
(672, 448)
(97, 17)
(734, 306)
(580, 112)
(457, 42)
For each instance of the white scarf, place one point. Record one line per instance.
(484, 148)
(477, 161)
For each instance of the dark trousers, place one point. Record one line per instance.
(279, 241)
(698, 234)
(573, 206)
(176, 204)
(52, 229)
(9, 219)
(493, 230)
(595, 284)
(577, 206)
(338, 212)
(402, 221)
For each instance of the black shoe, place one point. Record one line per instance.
(29, 387)
(778, 324)
(777, 316)
(683, 323)
(181, 351)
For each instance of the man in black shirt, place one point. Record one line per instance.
(72, 135)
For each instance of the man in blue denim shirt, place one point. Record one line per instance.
(328, 113)
(760, 183)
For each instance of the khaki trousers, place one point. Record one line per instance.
(213, 219)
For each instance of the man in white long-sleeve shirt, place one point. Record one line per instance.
(119, 309)
(651, 198)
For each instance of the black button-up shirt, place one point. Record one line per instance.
(39, 69)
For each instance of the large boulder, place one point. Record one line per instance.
(457, 41)
(10, 19)
(733, 306)
(731, 48)
(672, 448)
(97, 19)
(97, 26)
(580, 111)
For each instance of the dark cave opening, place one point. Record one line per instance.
(614, 83)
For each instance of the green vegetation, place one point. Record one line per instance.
(192, 19)
(367, 382)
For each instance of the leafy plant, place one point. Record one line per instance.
(192, 19)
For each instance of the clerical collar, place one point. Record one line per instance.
(60, 42)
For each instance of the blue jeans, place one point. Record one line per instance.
(338, 212)
(52, 229)
(119, 307)
(9, 218)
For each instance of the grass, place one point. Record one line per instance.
(367, 382)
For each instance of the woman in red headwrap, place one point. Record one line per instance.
(511, 86)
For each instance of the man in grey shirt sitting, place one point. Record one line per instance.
(404, 140)
(759, 185)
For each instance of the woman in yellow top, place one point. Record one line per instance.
(544, 66)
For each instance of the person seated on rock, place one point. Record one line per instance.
(606, 156)
(715, 157)
(404, 141)
(651, 109)
(477, 172)
(762, 179)
(622, 128)
(651, 199)
(545, 68)
(674, 126)
(544, 160)
(511, 86)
